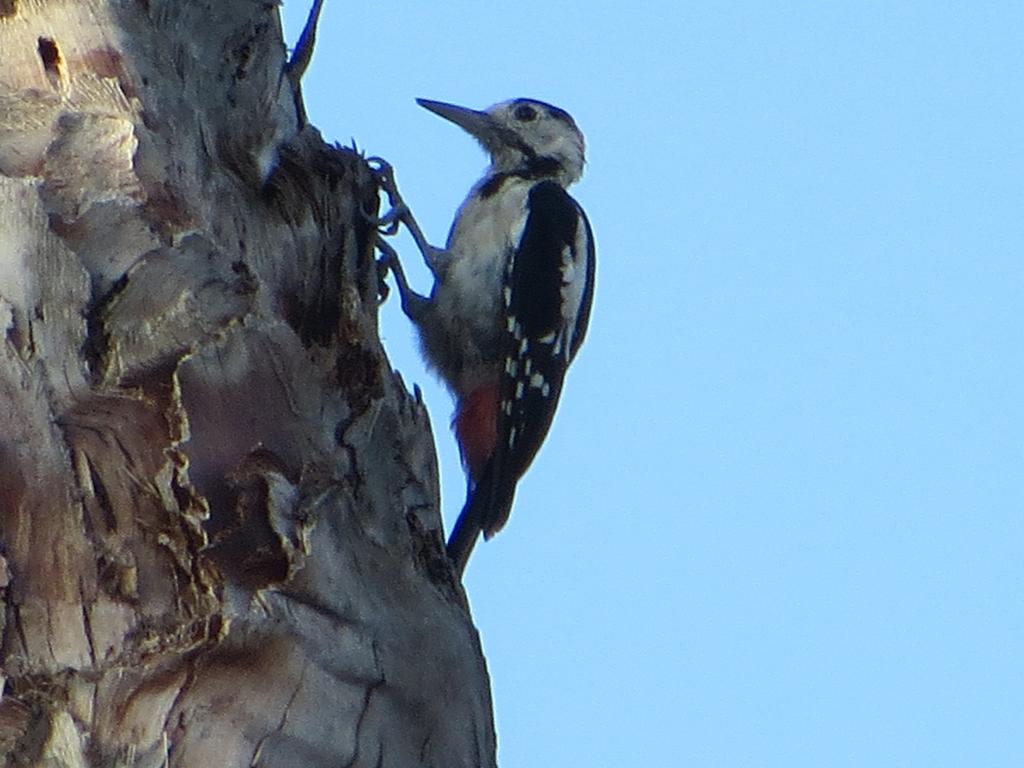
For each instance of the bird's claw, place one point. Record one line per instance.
(384, 173)
(382, 169)
(388, 258)
(383, 289)
(388, 224)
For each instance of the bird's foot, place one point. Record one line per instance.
(384, 173)
(400, 214)
(385, 265)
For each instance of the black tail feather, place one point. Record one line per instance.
(486, 511)
(464, 535)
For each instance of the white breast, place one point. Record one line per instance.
(485, 232)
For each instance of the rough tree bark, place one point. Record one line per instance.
(219, 517)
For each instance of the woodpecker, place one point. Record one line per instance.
(511, 297)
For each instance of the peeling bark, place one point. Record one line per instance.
(219, 533)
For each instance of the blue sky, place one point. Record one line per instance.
(779, 520)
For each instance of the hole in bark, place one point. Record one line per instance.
(8, 8)
(50, 54)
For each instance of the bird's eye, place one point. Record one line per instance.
(525, 113)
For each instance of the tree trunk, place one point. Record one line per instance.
(219, 518)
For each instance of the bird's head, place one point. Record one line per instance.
(522, 135)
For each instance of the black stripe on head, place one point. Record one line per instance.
(555, 112)
(561, 114)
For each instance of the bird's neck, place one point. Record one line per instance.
(531, 168)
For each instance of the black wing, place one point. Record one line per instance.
(548, 291)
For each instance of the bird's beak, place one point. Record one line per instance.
(478, 124)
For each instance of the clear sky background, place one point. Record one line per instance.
(779, 520)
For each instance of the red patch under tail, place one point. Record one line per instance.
(476, 427)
